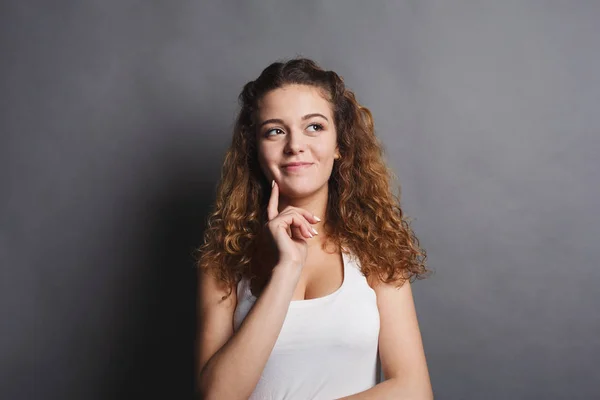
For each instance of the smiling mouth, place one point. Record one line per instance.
(296, 167)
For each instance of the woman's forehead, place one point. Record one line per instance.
(293, 101)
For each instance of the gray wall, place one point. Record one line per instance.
(115, 117)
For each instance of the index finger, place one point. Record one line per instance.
(272, 210)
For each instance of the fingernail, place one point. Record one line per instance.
(314, 230)
(273, 183)
(317, 218)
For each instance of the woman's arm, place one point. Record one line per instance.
(230, 364)
(400, 348)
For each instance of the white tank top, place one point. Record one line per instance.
(327, 347)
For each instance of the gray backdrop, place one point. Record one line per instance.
(115, 117)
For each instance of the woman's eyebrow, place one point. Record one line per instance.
(307, 116)
(280, 121)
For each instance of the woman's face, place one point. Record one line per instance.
(295, 125)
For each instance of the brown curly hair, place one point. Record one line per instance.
(362, 215)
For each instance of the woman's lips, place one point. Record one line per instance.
(296, 167)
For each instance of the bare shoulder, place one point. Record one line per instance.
(393, 296)
(378, 285)
(211, 291)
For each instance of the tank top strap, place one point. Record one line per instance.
(243, 288)
(352, 273)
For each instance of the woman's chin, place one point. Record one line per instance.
(294, 192)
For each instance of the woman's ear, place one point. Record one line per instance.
(337, 153)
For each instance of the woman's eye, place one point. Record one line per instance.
(268, 133)
(319, 127)
(276, 131)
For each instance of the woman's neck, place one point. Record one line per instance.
(315, 204)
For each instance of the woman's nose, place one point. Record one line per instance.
(295, 142)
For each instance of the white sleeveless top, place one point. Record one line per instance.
(327, 347)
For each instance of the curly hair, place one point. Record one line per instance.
(363, 215)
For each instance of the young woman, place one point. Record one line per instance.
(305, 270)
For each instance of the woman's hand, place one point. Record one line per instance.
(289, 230)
